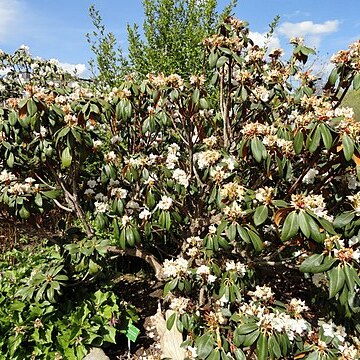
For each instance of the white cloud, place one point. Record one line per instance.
(261, 40)
(74, 69)
(313, 33)
(297, 13)
(10, 15)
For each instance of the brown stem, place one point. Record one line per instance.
(72, 201)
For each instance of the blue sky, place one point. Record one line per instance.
(56, 29)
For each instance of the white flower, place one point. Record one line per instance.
(100, 197)
(165, 203)
(261, 293)
(203, 270)
(171, 161)
(356, 255)
(212, 229)
(180, 176)
(119, 193)
(145, 214)
(113, 183)
(97, 143)
(110, 157)
(6, 176)
(89, 192)
(179, 304)
(125, 220)
(191, 352)
(310, 176)
(101, 207)
(223, 300)
(211, 278)
(175, 268)
(354, 240)
(230, 265)
(91, 184)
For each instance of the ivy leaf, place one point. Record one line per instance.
(290, 227)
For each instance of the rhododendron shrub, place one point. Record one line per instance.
(249, 201)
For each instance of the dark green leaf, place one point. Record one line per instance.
(205, 345)
(304, 223)
(261, 214)
(298, 142)
(343, 219)
(326, 136)
(262, 347)
(336, 279)
(170, 321)
(290, 227)
(348, 147)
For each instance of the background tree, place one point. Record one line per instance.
(174, 31)
(171, 40)
(109, 63)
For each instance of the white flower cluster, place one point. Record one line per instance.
(355, 202)
(315, 203)
(101, 207)
(332, 330)
(264, 195)
(239, 267)
(110, 157)
(309, 177)
(172, 156)
(193, 246)
(203, 272)
(145, 214)
(175, 268)
(281, 322)
(165, 203)
(180, 176)
(207, 158)
(179, 304)
(6, 176)
(232, 191)
(234, 211)
(262, 293)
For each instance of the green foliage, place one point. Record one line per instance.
(260, 190)
(173, 32)
(109, 65)
(45, 312)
